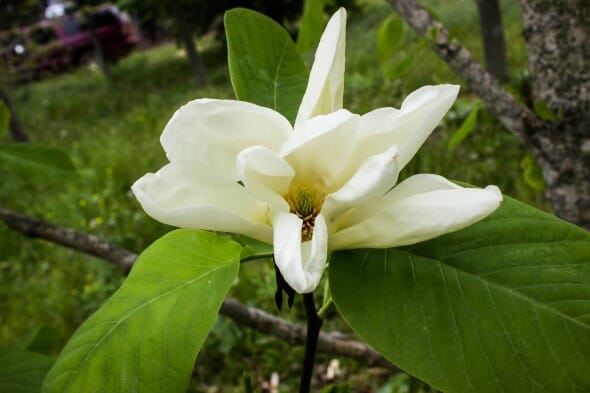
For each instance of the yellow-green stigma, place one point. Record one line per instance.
(306, 205)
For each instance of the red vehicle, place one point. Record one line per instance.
(57, 44)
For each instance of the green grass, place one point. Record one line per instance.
(111, 131)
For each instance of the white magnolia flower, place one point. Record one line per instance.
(324, 184)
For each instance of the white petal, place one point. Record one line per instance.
(192, 195)
(428, 104)
(420, 208)
(215, 131)
(300, 264)
(407, 127)
(265, 175)
(373, 179)
(320, 146)
(326, 80)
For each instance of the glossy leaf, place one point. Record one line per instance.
(22, 371)
(27, 157)
(501, 306)
(264, 64)
(147, 336)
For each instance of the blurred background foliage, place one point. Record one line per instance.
(110, 129)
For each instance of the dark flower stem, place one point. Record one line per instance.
(314, 323)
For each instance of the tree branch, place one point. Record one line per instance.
(510, 112)
(67, 237)
(334, 342)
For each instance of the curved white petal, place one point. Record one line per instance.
(191, 195)
(265, 175)
(420, 208)
(320, 146)
(407, 127)
(301, 264)
(325, 86)
(215, 131)
(428, 105)
(373, 179)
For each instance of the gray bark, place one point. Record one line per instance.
(558, 38)
(557, 33)
(492, 35)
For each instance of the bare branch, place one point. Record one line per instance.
(510, 112)
(334, 342)
(67, 237)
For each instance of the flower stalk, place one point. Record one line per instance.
(314, 324)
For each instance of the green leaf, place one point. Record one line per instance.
(264, 64)
(466, 127)
(147, 336)
(542, 109)
(43, 340)
(389, 36)
(252, 248)
(4, 119)
(22, 371)
(31, 158)
(532, 173)
(501, 306)
(400, 64)
(312, 25)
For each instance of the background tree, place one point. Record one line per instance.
(556, 130)
(492, 36)
(187, 19)
(15, 13)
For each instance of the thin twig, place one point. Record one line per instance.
(334, 343)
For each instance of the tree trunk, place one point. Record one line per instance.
(186, 36)
(492, 35)
(558, 37)
(16, 129)
(557, 33)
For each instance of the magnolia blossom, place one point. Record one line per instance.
(327, 183)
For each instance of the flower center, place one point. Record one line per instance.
(306, 204)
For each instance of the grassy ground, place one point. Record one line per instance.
(111, 131)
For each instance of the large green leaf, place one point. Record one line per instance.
(147, 336)
(501, 306)
(22, 371)
(264, 64)
(27, 157)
